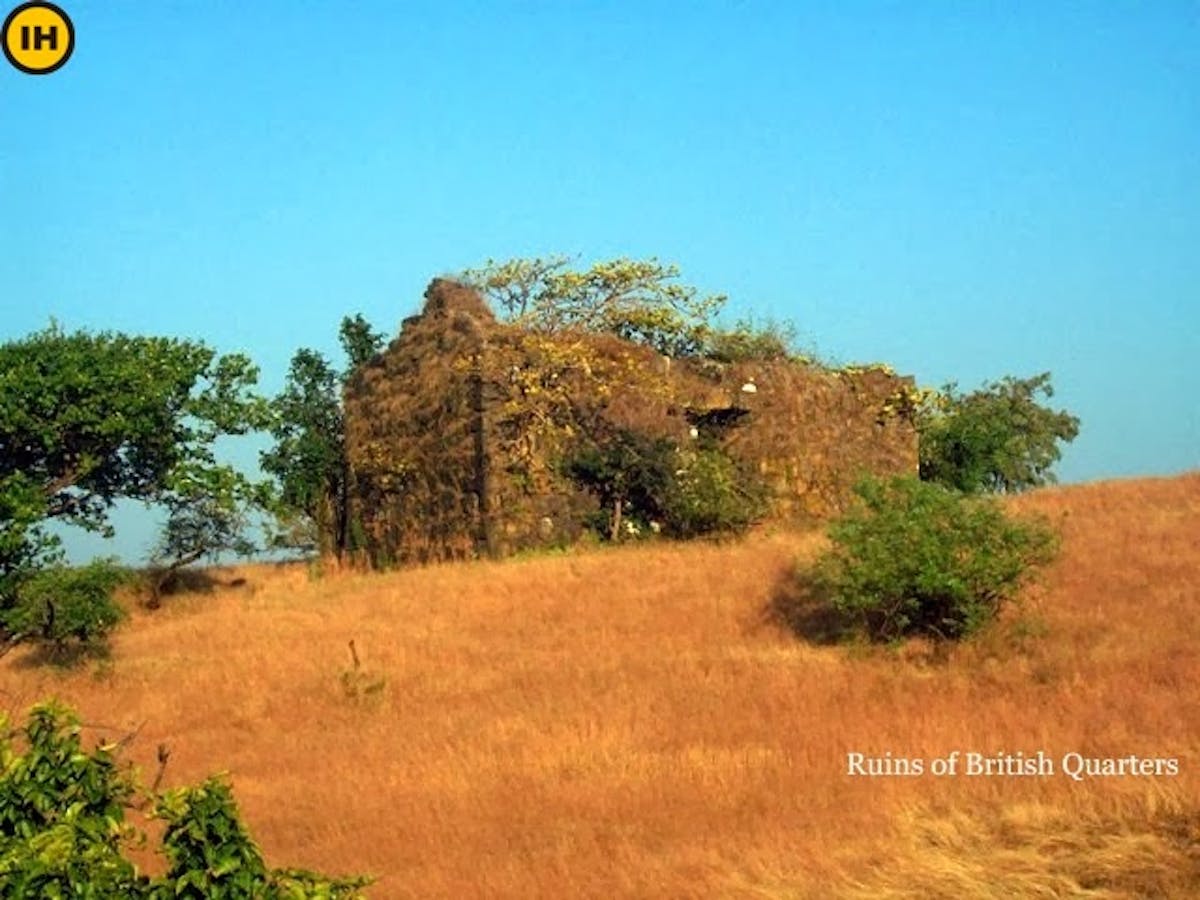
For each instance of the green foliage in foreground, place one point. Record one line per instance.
(996, 439)
(918, 559)
(63, 831)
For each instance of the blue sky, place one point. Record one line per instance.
(962, 190)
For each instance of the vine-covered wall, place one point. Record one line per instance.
(453, 432)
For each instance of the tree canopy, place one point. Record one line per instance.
(309, 455)
(87, 419)
(995, 439)
(360, 341)
(638, 300)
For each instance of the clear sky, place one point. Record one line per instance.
(962, 190)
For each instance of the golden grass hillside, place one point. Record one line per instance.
(625, 724)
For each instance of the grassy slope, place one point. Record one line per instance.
(623, 723)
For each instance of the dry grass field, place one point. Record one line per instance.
(625, 723)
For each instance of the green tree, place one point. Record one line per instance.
(643, 481)
(995, 439)
(211, 514)
(88, 419)
(66, 609)
(309, 455)
(360, 342)
(710, 493)
(630, 474)
(638, 300)
(308, 458)
(25, 545)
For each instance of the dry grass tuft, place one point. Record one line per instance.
(1150, 847)
(623, 723)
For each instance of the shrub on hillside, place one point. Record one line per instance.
(748, 341)
(66, 608)
(918, 559)
(63, 831)
(630, 474)
(646, 483)
(710, 494)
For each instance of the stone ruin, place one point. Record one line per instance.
(452, 430)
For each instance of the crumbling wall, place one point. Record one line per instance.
(812, 433)
(809, 432)
(453, 432)
(414, 436)
(442, 465)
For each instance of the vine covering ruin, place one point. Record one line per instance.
(456, 432)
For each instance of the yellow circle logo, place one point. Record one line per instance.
(38, 38)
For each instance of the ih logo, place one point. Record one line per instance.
(38, 38)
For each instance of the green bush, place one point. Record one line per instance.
(710, 493)
(211, 854)
(748, 341)
(918, 559)
(63, 831)
(25, 545)
(62, 814)
(67, 607)
(648, 484)
(630, 473)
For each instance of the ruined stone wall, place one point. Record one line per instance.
(413, 437)
(812, 433)
(434, 468)
(453, 431)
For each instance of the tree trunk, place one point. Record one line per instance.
(327, 526)
(342, 514)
